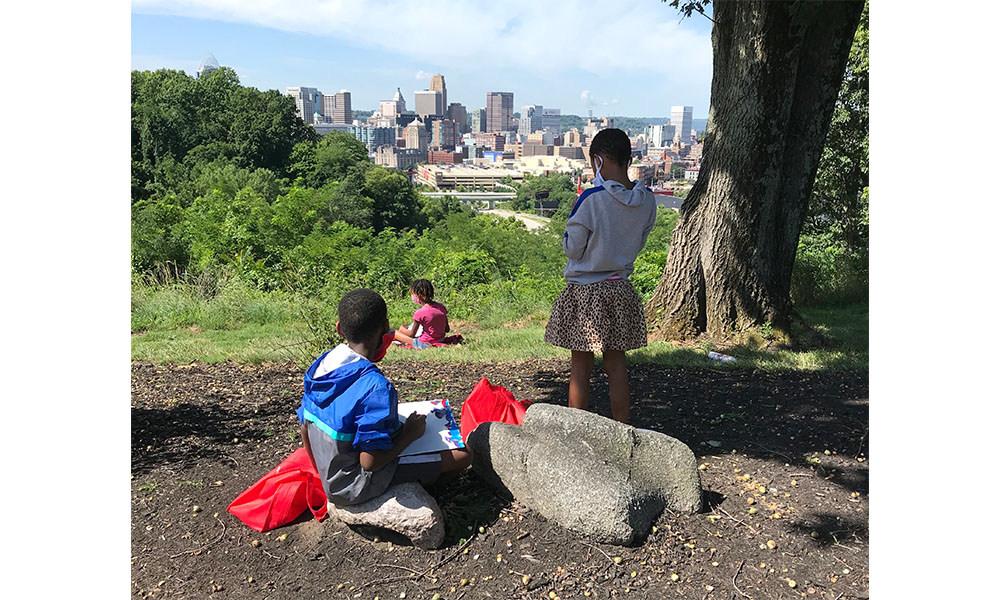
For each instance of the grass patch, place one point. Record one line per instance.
(283, 341)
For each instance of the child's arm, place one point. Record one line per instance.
(577, 234)
(374, 460)
(304, 431)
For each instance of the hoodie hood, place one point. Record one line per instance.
(345, 368)
(629, 197)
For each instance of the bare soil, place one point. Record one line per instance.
(789, 447)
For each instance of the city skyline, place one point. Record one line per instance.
(672, 60)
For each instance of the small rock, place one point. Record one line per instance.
(791, 583)
(617, 559)
(674, 577)
(771, 544)
(195, 508)
(255, 543)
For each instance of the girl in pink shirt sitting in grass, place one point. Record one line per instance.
(431, 316)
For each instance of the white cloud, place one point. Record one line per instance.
(423, 75)
(640, 37)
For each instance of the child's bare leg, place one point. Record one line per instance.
(402, 337)
(581, 366)
(615, 367)
(455, 460)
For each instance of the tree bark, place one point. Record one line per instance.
(777, 71)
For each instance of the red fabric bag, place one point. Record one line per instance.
(490, 403)
(282, 495)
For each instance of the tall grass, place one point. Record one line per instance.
(167, 300)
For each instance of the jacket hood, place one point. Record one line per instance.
(629, 197)
(321, 390)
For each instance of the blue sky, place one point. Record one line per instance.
(573, 55)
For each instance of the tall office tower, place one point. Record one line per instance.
(307, 101)
(458, 114)
(393, 108)
(499, 111)
(437, 85)
(208, 64)
(477, 120)
(427, 103)
(416, 136)
(328, 107)
(551, 120)
(654, 133)
(680, 118)
(530, 121)
(342, 111)
(443, 134)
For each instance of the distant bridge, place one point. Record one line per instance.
(490, 198)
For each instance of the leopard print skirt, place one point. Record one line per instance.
(606, 315)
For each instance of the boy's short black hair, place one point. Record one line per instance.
(613, 144)
(361, 313)
(423, 288)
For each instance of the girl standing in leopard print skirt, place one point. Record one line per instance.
(599, 311)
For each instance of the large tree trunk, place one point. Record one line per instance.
(776, 74)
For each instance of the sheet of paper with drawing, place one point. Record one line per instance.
(442, 431)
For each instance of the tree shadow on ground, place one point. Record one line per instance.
(183, 434)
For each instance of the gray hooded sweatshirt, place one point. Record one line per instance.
(606, 230)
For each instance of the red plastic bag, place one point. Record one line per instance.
(490, 403)
(282, 495)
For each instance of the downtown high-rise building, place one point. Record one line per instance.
(499, 111)
(444, 134)
(530, 120)
(437, 85)
(328, 107)
(208, 64)
(428, 103)
(308, 101)
(457, 113)
(342, 111)
(552, 120)
(477, 120)
(680, 118)
(395, 107)
(415, 135)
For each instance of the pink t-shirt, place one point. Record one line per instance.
(434, 318)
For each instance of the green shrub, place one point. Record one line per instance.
(648, 270)
(464, 268)
(824, 273)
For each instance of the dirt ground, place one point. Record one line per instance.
(785, 473)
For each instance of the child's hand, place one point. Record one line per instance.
(415, 425)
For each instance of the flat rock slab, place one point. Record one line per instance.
(405, 508)
(590, 474)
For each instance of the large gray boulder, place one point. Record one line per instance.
(405, 508)
(590, 474)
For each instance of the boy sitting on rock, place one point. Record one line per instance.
(350, 423)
